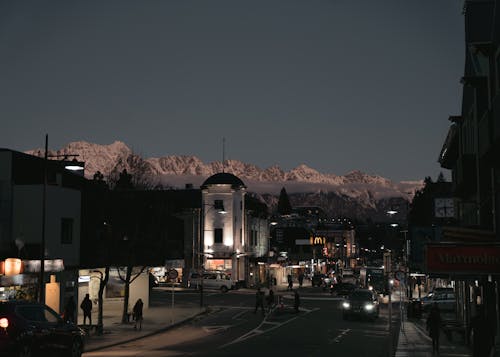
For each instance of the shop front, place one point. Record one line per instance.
(474, 270)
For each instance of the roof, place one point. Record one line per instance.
(224, 178)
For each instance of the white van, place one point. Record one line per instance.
(212, 280)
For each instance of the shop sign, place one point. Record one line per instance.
(463, 258)
(52, 266)
(317, 240)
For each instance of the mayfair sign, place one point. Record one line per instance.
(463, 258)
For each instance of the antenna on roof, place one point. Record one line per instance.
(223, 152)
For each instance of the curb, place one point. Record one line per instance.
(147, 334)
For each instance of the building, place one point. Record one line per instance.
(235, 229)
(471, 151)
(39, 199)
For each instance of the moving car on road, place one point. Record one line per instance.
(343, 289)
(28, 327)
(361, 303)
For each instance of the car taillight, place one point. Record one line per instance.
(4, 322)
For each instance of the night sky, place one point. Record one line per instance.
(337, 85)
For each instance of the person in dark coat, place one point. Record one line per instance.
(483, 334)
(270, 300)
(137, 311)
(296, 302)
(69, 310)
(301, 279)
(434, 326)
(259, 301)
(86, 306)
(290, 282)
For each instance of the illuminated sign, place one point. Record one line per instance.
(463, 258)
(317, 240)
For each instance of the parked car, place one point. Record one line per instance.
(361, 303)
(212, 280)
(28, 328)
(444, 298)
(318, 279)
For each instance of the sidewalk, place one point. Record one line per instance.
(156, 319)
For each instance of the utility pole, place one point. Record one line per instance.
(41, 282)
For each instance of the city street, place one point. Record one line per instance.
(232, 328)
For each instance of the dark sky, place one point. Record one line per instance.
(337, 85)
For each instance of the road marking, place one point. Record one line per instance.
(342, 334)
(258, 331)
(215, 329)
(236, 317)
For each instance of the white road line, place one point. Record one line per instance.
(342, 334)
(257, 331)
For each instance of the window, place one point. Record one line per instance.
(219, 205)
(66, 230)
(218, 235)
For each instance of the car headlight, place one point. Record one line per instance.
(346, 305)
(369, 307)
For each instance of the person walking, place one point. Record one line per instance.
(290, 282)
(434, 326)
(259, 301)
(137, 311)
(86, 306)
(270, 300)
(296, 302)
(69, 310)
(483, 333)
(301, 279)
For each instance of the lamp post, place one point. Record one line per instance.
(41, 290)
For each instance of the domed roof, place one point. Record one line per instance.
(223, 178)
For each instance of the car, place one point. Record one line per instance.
(28, 328)
(318, 280)
(343, 289)
(362, 303)
(444, 298)
(212, 280)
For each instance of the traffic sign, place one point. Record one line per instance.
(173, 274)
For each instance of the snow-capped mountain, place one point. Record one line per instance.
(177, 170)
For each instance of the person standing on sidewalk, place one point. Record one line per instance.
(137, 311)
(483, 334)
(86, 307)
(290, 282)
(434, 326)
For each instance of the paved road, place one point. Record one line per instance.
(233, 329)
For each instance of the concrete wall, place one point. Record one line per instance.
(27, 219)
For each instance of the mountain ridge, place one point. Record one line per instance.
(366, 191)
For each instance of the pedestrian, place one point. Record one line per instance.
(433, 326)
(270, 300)
(137, 311)
(483, 333)
(301, 279)
(290, 282)
(296, 303)
(69, 310)
(86, 306)
(259, 301)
